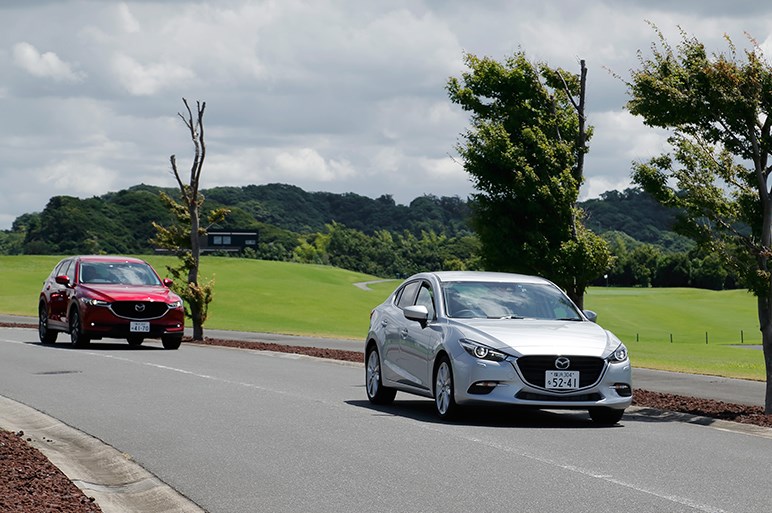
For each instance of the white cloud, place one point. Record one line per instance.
(329, 95)
(145, 80)
(128, 21)
(45, 65)
(308, 164)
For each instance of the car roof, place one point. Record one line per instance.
(109, 258)
(487, 276)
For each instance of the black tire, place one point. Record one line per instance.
(376, 392)
(77, 337)
(47, 336)
(444, 395)
(135, 341)
(171, 341)
(606, 416)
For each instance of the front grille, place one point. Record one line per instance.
(533, 368)
(139, 310)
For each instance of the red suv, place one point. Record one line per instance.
(91, 297)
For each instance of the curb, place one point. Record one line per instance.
(117, 484)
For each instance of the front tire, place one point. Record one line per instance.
(171, 341)
(444, 396)
(77, 337)
(47, 336)
(376, 392)
(606, 416)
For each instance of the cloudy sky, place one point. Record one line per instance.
(328, 95)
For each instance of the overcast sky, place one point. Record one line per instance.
(338, 96)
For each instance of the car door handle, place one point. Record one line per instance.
(384, 323)
(403, 333)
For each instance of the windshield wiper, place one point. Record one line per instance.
(507, 317)
(569, 319)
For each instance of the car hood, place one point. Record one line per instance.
(522, 337)
(113, 293)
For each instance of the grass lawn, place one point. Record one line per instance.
(281, 297)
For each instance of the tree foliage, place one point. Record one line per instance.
(523, 153)
(718, 108)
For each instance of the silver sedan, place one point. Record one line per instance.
(479, 337)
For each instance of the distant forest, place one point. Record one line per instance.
(376, 236)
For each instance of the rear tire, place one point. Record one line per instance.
(171, 341)
(77, 337)
(444, 395)
(47, 336)
(376, 392)
(606, 416)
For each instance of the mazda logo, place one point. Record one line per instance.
(562, 363)
(139, 307)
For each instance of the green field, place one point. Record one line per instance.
(280, 297)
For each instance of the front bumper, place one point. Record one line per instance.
(99, 322)
(483, 381)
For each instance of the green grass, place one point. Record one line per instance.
(645, 319)
(280, 297)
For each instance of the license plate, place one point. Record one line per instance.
(139, 327)
(562, 380)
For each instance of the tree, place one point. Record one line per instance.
(525, 153)
(718, 108)
(183, 237)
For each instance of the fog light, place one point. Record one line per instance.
(622, 389)
(482, 387)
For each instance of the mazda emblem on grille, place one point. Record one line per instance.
(562, 363)
(139, 307)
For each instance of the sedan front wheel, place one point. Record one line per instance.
(444, 397)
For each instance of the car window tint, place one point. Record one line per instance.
(61, 268)
(426, 298)
(71, 271)
(407, 296)
(499, 300)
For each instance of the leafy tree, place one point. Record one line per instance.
(525, 153)
(183, 238)
(718, 108)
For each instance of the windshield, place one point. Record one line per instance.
(507, 301)
(117, 273)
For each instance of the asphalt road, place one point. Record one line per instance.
(244, 431)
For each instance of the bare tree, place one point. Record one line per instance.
(184, 237)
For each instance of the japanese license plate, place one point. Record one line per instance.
(139, 327)
(562, 380)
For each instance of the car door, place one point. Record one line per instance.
(394, 329)
(420, 341)
(57, 295)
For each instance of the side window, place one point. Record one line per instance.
(71, 271)
(61, 268)
(407, 296)
(426, 298)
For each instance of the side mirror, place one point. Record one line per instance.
(62, 279)
(168, 282)
(590, 315)
(417, 313)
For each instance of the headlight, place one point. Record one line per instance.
(175, 304)
(482, 352)
(619, 354)
(94, 302)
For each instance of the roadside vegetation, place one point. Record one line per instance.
(303, 299)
